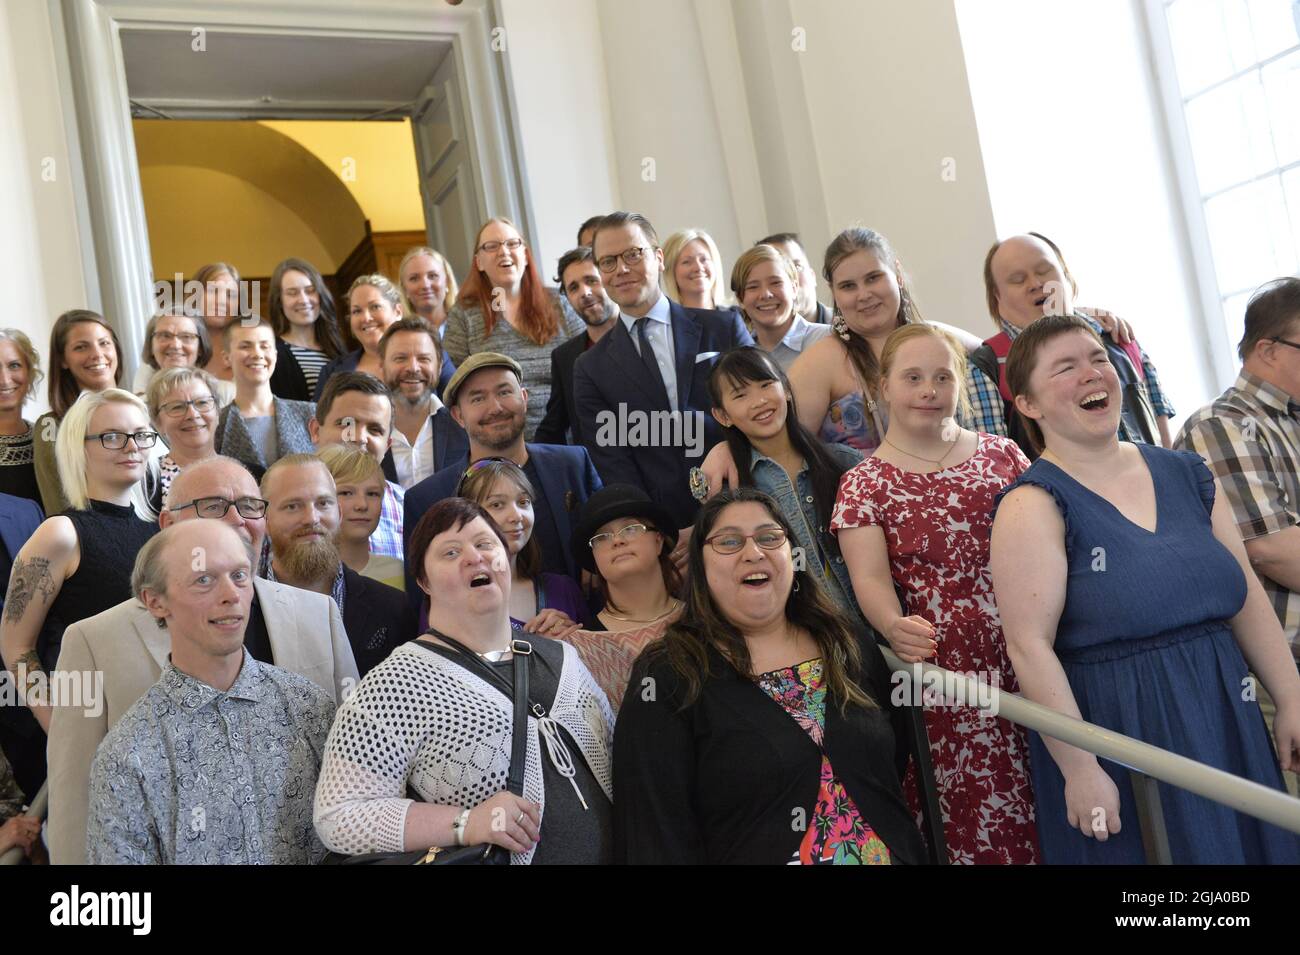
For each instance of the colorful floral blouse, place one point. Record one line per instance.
(837, 834)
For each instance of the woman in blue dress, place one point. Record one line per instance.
(1127, 600)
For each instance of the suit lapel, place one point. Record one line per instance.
(623, 354)
(556, 490)
(155, 639)
(686, 331)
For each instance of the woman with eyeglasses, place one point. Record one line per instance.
(619, 542)
(504, 306)
(540, 602)
(759, 730)
(78, 563)
(183, 407)
(176, 340)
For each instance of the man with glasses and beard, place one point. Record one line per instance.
(290, 628)
(425, 437)
(302, 520)
(579, 279)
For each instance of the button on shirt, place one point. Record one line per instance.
(660, 332)
(195, 775)
(414, 462)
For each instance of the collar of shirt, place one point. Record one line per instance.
(399, 438)
(1013, 332)
(799, 330)
(757, 457)
(338, 590)
(189, 693)
(659, 312)
(1266, 394)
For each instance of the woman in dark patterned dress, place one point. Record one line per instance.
(916, 515)
(20, 372)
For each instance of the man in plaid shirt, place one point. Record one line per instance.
(1250, 436)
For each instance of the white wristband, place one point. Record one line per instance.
(458, 826)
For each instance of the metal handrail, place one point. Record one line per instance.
(37, 810)
(1244, 795)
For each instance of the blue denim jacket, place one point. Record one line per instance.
(821, 553)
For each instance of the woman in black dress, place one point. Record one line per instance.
(20, 372)
(78, 563)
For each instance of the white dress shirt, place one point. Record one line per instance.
(414, 462)
(660, 333)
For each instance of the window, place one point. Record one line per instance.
(1237, 65)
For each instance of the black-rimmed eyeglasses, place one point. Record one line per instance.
(215, 508)
(116, 440)
(608, 263)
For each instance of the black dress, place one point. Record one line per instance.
(18, 467)
(109, 536)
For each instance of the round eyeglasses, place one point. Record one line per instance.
(116, 440)
(733, 542)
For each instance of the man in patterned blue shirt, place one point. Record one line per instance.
(217, 762)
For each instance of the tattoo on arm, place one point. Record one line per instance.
(31, 578)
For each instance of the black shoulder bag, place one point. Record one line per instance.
(488, 853)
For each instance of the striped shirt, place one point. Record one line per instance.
(311, 362)
(466, 336)
(1250, 435)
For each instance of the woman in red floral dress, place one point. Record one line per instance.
(917, 515)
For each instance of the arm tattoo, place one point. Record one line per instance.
(30, 579)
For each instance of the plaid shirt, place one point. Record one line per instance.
(387, 538)
(986, 399)
(1250, 435)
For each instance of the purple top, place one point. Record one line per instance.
(557, 592)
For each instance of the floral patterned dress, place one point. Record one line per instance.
(837, 834)
(937, 527)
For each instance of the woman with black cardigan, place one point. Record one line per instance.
(306, 329)
(759, 730)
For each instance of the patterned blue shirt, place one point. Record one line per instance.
(986, 399)
(194, 775)
(386, 541)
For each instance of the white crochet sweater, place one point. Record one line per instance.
(422, 719)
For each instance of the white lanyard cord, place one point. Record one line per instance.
(559, 753)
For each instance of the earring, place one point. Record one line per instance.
(796, 583)
(839, 325)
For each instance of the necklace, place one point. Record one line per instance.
(918, 457)
(674, 604)
(495, 656)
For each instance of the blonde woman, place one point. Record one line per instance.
(78, 563)
(767, 286)
(371, 305)
(20, 372)
(428, 285)
(184, 407)
(693, 274)
(359, 486)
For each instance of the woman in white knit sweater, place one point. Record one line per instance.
(423, 723)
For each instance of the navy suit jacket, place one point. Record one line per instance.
(377, 619)
(19, 518)
(610, 376)
(561, 409)
(450, 444)
(350, 361)
(568, 478)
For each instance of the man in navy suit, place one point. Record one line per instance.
(487, 396)
(642, 391)
(580, 281)
(425, 437)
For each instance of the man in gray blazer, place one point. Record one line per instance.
(294, 629)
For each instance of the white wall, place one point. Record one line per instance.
(1074, 146)
(40, 241)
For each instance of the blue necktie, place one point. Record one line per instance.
(648, 357)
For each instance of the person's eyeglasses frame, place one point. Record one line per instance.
(609, 537)
(607, 264)
(746, 538)
(185, 338)
(227, 505)
(1283, 341)
(151, 438)
(493, 246)
(176, 409)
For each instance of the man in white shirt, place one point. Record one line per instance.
(425, 437)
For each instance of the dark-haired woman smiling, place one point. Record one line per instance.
(758, 730)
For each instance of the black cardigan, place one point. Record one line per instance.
(721, 781)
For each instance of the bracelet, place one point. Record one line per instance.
(458, 826)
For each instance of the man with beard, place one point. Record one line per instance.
(302, 520)
(290, 628)
(488, 398)
(580, 280)
(425, 437)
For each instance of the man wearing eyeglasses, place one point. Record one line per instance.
(656, 361)
(294, 629)
(1250, 436)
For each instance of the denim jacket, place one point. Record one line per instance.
(821, 552)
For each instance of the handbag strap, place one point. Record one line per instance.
(521, 650)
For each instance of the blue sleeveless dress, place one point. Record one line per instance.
(1146, 644)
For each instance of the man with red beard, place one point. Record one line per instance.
(302, 521)
(425, 437)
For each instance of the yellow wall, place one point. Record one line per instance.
(374, 160)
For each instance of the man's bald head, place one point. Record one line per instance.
(218, 476)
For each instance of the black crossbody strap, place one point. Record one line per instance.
(522, 650)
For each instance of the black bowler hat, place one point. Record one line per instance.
(610, 503)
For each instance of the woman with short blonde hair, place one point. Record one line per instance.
(693, 270)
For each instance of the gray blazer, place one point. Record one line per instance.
(291, 419)
(124, 648)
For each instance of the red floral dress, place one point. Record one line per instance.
(937, 527)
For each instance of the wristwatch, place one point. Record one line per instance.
(458, 826)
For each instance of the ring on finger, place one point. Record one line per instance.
(521, 818)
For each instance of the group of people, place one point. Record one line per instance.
(274, 600)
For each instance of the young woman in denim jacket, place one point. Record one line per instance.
(773, 452)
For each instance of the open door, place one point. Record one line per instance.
(448, 181)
